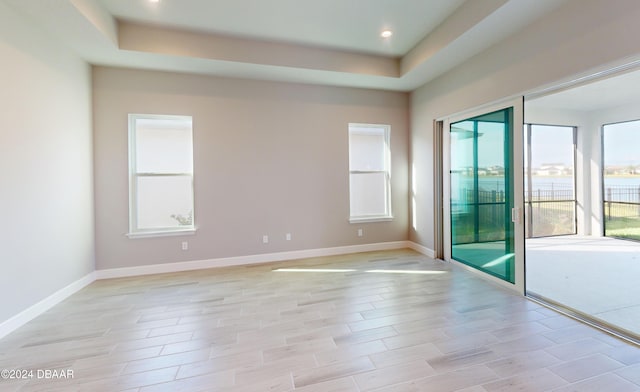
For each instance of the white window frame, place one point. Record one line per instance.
(134, 231)
(387, 216)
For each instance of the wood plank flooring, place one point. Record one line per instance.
(379, 321)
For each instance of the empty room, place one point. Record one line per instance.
(298, 195)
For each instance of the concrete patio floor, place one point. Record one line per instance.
(598, 276)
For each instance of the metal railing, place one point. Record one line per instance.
(622, 212)
(622, 193)
(550, 210)
(479, 216)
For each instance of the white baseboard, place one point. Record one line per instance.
(421, 249)
(245, 260)
(37, 309)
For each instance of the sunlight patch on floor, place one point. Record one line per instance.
(312, 270)
(379, 271)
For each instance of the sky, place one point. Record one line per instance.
(554, 144)
(551, 144)
(622, 143)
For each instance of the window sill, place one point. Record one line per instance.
(370, 219)
(164, 233)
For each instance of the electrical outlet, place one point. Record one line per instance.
(265, 239)
(359, 232)
(288, 237)
(185, 245)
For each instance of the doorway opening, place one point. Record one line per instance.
(587, 264)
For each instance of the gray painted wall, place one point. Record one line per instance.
(269, 158)
(46, 235)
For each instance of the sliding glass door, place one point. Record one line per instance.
(482, 193)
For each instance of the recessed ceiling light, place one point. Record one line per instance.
(154, 1)
(386, 33)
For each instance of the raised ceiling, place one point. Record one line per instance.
(350, 25)
(332, 42)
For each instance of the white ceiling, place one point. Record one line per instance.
(331, 42)
(610, 92)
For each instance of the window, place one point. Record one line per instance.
(550, 197)
(369, 172)
(160, 175)
(621, 180)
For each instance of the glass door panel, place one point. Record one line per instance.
(481, 197)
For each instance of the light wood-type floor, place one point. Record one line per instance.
(380, 321)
